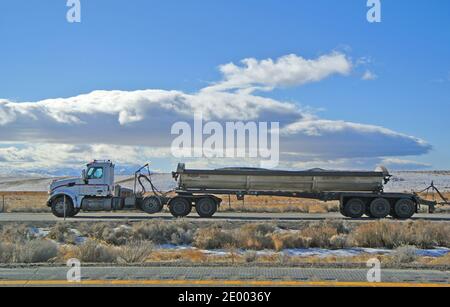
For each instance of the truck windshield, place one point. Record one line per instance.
(95, 173)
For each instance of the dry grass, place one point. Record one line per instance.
(385, 234)
(94, 252)
(134, 243)
(135, 252)
(331, 235)
(33, 251)
(30, 202)
(158, 232)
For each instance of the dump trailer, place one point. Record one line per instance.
(359, 193)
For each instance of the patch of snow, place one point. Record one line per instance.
(311, 252)
(38, 232)
(322, 253)
(435, 253)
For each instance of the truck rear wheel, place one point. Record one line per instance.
(180, 207)
(368, 212)
(404, 208)
(355, 208)
(380, 208)
(58, 207)
(206, 207)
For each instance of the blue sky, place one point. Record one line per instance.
(179, 45)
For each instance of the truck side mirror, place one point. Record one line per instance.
(83, 175)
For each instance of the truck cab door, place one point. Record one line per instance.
(95, 185)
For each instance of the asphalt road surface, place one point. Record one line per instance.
(216, 276)
(244, 217)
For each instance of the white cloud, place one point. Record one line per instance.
(404, 164)
(134, 126)
(289, 70)
(368, 76)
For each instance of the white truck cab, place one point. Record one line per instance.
(94, 191)
(98, 179)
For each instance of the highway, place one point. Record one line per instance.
(218, 276)
(221, 216)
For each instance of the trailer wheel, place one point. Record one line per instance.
(404, 208)
(206, 207)
(342, 211)
(180, 207)
(152, 205)
(355, 208)
(58, 207)
(368, 214)
(380, 208)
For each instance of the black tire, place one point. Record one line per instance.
(368, 214)
(380, 208)
(58, 207)
(404, 208)
(180, 207)
(206, 207)
(152, 205)
(354, 208)
(342, 211)
(76, 211)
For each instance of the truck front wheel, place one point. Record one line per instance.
(180, 207)
(206, 207)
(58, 205)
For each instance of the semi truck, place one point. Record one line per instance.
(358, 192)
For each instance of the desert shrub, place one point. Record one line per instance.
(7, 251)
(428, 235)
(160, 232)
(134, 252)
(290, 240)
(62, 233)
(254, 236)
(212, 238)
(340, 241)
(378, 235)
(250, 256)
(93, 252)
(66, 252)
(15, 233)
(392, 234)
(342, 227)
(320, 234)
(117, 236)
(96, 230)
(35, 251)
(404, 254)
(157, 232)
